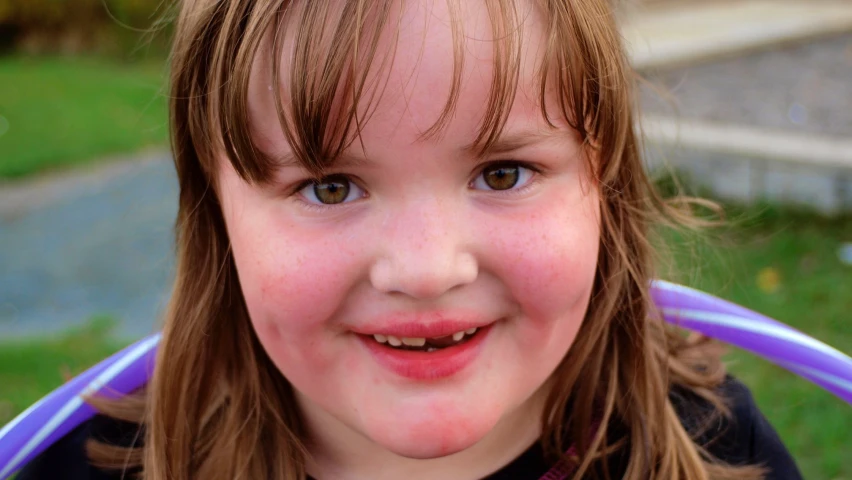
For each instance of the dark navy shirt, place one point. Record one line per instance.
(746, 438)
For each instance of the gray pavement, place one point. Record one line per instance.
(104, 246)
(800, 88)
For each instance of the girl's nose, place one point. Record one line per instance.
(425, 252)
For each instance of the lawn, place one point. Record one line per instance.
(57, 112)
(782, 264)
(31, 368)
(786, 265)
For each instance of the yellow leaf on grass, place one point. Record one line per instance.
(768, 280)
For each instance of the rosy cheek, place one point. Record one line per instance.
(290, 301)
(296, 286)
(295, 346)
(552, 264)
(553, 256)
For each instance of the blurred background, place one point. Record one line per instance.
(748, 102)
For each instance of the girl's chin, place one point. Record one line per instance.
(434, 445)
(426, 438)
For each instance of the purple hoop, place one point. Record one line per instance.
(61, 411)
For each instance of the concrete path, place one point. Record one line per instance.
(89, 243)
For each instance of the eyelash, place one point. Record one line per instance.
(534, 171)
(321, 207)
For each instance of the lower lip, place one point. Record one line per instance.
(427, 365)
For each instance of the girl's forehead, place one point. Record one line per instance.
(428, 53)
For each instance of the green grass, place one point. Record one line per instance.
(813, 293)
(58, 112)
(29, 369)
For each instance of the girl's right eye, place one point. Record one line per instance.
(331, 190)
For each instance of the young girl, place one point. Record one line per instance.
(413, 243)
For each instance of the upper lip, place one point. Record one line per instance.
(421, 325)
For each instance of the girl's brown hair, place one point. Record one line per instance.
(217, 407)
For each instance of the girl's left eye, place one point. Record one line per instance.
(503, 176)
(331, 190)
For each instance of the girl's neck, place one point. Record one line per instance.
(351, 456)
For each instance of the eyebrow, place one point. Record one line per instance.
(504, 144)
(512, 142)
(344, 160)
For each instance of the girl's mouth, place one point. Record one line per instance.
(426, 344)
(427, 358)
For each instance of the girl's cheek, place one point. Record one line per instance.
(554, 258)
(292, 292)
(289, 309)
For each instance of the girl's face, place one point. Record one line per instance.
(480, 266)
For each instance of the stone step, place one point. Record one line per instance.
(805, 149)
(687, 32)
(743, 163)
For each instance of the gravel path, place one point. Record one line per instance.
(805, 87)
(103, 247)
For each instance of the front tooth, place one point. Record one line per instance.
(458, 336)
(394, 341)
(470, 331)
(380, 338)
(414, 342)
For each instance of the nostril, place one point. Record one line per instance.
(423, 277)
(468, 269)
(381, 276)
